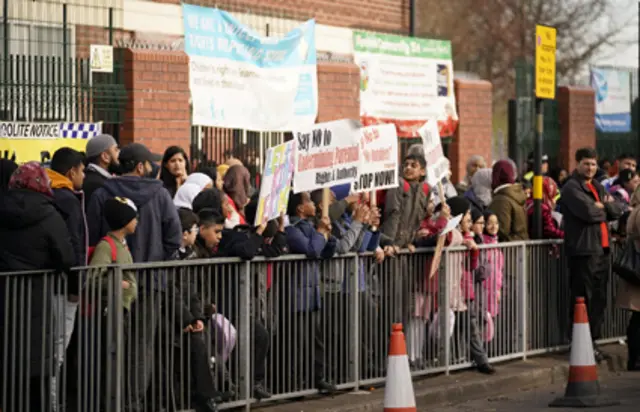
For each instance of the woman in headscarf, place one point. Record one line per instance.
(237, 186)
(550, 227)
(475, 163)
(175, 169)
(33, 237)
(508, 202)
(628, 297)
(7, 167)
(479, 193)
(194, 184)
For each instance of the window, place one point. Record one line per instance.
(38, 82)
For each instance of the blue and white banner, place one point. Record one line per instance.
(613, 99)
(242, 80)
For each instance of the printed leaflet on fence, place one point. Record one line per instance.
(31, 141)
(242, 80)
(405, 81)
(276, 182)
(613, 99)
(327, 154)
(378, 159)
(437, 163)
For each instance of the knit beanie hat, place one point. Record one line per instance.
(503, 173)
(459, 205)
(119, 211)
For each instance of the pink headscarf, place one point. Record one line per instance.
(31, 176)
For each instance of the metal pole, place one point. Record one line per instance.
(7, 55)
(65, 61)
(537, 170)
(412, 18)
(111, 26)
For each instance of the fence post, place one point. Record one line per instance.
(355, 311)
(442, 311)
(115, 327)
(524, 313)
(245, 335)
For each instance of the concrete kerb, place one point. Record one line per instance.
(461, 386)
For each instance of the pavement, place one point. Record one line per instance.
(507, 387)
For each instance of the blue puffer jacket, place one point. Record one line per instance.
(303, 238)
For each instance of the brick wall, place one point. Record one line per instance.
(338, 91)
(88, 35)
(475, 130)
(379, 15)
(157, 112)
(576, 109)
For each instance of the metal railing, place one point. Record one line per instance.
(296, 324)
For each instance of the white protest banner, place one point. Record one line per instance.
(612, 88)
(405, 81)
(240, 79)
(327, 154)
(378, 159)
(275, 184)
(437, 163)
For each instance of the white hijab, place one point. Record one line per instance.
(193, 185)
(481, 185)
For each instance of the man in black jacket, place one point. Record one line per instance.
(67, 176)
(587, 209)
(102, 161)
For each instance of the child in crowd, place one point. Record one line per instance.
(467, 331)
(550, 227)
(405, 207)
(492, 285)
(191, 321)
(315, 242)
(477, 228)
(209, 234)
(121, 215)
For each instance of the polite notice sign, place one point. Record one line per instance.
(545, 62)
(378, 159)
(327, 154)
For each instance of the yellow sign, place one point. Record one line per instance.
(545, 62)
(33, 141)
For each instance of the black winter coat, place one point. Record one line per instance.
(33, 237)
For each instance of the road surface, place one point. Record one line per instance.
(624, 387)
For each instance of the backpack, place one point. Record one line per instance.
(381, 194)
(112, 244)
(86, 308)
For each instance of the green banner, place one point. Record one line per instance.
(377, 43)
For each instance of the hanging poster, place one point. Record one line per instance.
(613, 99)
(405, 81)
(276, 182)
(31, 141)
(242, 80)
(327, 154)
(378, 159)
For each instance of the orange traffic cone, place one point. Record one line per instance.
(398, 389)
(583, 388)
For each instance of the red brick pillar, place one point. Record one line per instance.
(157, 112)
(475, 130)
(338, 91)
(577, 111)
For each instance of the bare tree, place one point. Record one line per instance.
(490, 36)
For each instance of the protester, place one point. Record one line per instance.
(211, 169)
(494, 257)
(508, 202)
(479, 192)
(475, 163)
(7, 167)
(157, 238)
(175, 169)
(625, 161)
(405, 207)
(559, 175)
(102, 163)
(33, 237)
(193, 185)
(236, 186)
(628, 297)
(586, 209)
(621, 190)
(550, 226)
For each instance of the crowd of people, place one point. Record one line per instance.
(112, 205)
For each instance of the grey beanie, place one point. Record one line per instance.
(99, 144)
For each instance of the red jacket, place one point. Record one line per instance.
(550, 229)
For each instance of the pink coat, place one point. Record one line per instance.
(492, 285)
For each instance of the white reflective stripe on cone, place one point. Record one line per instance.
(582, 354)
(398, 391)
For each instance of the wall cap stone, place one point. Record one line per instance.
(472, 84)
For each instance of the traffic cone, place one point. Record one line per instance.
(583, 388)
(398, 388)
